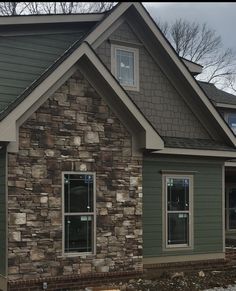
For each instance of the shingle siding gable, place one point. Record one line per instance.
(157, 98)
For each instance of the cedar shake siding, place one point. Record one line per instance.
(74, 130)
(157, 97)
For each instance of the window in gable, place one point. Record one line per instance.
(125, 66)
(231, 120)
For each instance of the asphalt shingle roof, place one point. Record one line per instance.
(24, 58)
(202, 144)
(217, 95)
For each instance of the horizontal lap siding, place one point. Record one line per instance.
(207, 197)
(24, 58)
(2, 213)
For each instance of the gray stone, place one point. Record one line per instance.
(39, 171)
(91, 137)
(15, 236)
(18, 218)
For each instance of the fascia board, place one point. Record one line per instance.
(9, 125)
(226, 105)
(184, 71)
(107, 22)
(40, 19)
(193, 67)
(9, 122)
(195, 152)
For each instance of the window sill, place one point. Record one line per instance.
(176, 248)
(130, 88)
(72, 255)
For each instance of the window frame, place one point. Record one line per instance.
(227, 116)
(177, 247)
(93, 214)
(227, 209)
(135, 51)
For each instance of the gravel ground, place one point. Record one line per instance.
(229, 288)
(190, 281)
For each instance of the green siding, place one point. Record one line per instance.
(2, 213)
(207, 204)
(24, 58)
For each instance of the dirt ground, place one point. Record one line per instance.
(190, 281)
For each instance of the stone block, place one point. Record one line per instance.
(129, 211)
(49, 153)
(54, 202)
(17, 218)
(37, 255)
(14, 236)
(77, 140)
(44, 200)
(39, 171)
(85, 268)
(20, 184)
(91, 137)
(122, 196)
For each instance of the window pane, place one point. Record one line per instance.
(232, 121)
(178, 225)
(232, 208)
(78, 191)
(125, 67)
(178, 194)
(78, 233)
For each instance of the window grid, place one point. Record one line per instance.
(168, 212)
(90, 215)
(125, 66)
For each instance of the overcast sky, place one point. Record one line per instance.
(220, 16)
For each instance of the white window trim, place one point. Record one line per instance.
(135, 51)
(78, 254)
(177, 247)
(226, 117)
(227, 188)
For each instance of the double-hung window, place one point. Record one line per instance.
(79, 213)
(178, 211)
(125, 66)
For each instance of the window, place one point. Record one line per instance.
(230, 207)
(231, 120)
(125, 66)
(79, 213)
(178, 211)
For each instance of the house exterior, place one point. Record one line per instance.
(112, 155)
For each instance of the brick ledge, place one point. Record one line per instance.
(81, 277)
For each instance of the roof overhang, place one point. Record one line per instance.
(225, 105)
(194, 68)
(186, 74)
(47, 19)
(196, 152)
(145, 135)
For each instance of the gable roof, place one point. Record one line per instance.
(219, 97)
(145, 134)
(24, 58)
(94, 38)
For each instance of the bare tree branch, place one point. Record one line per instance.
(200, 44)
(18, 8)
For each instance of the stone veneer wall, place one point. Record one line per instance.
(157, 97)
(73, 131)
